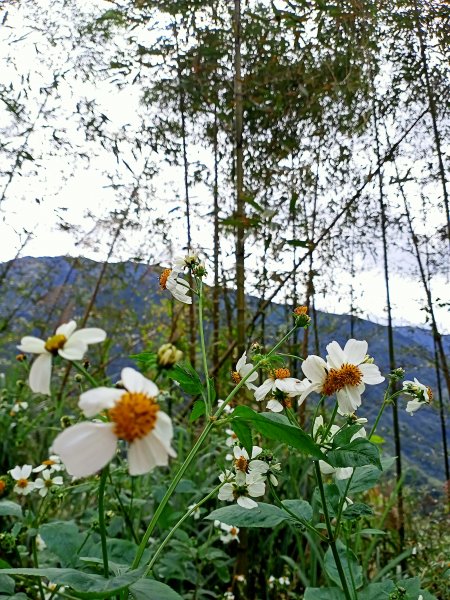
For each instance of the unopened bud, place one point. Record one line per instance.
(301, 317)
(168, 355)
(78, 378)
(65, 422)
(397, 374)
(21, 357)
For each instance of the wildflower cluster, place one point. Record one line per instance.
(48, 477)
(420, 393)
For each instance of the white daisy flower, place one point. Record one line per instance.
(68, 343)
(53, 463)
(231, 533)
(280, 380)
(18, 406)
(195, 513)
(21, 474)
(420, 393)
(179, 288)
(345, 374)
(134, 416)
(242, 370)
(284, 581)
(228, 409)
(232, 438)
(254, 486)
(244, 465)
(46, 481)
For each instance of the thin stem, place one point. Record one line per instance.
(177, 525)
(36, 565)
(331, 540)
(84, 372)
(101, 519)
(330, 423)
(208, 398)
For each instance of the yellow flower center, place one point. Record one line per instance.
(22, 483)
(301, 310)
(55, 343)
(164, 277)
(281, 373)
(233, 531)
(134, 416)
(48, 483)
(236, 377)
(430, 394)
(337, 379)
(241, 464)
(48, 462)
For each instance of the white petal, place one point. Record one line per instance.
(290, 385)
(264, 389)
(86, 447)
(258, 466)
(226, 492)
(241, 362)
(355, 351)
(314, 387)
(66, 329)
(73, 349)
(135, 382)
(274, 406)
(336, 357)
(141, 458)
(371, 374)
(348, 399)
(94, 401)
(344, 472)
(256, 451)
(317, 423)
(163, 430)
(325, 468)
(246, 502)
(89, 335)
(40, 374)
(314, 368)
(16, 473)
(257, 489)
(32, 344)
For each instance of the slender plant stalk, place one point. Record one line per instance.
(208, 399)
(101, 519)
(331, 540)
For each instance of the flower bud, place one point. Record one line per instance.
(301, 317)
(78, 378)
(168, 355)
(21, 358)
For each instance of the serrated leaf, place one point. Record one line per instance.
(344, 436)
(375, 591)
(301, 508)
(244, 434)
(364, 478)
(277, 427)
(146, 360)
(84, 585)
(149, 589)
(198, 410)
(266, 515)
(358, 453)
(10, 509)
(187, 377)
(357, 510)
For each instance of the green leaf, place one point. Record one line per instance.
(300, 508)
(146, 360)
(198, 410)
(358, 453)
(343, 437)
(332, 498)
(266, 515)
(244, 433)
(187, 377)
(349, 564)
(324, 594)
(149, 589)
(372, 531)
(63, 539)
(377, 591)
(10, 509)
(83, 585)
(357, 510)
(277, 427)
(364, 478)
(6, 584)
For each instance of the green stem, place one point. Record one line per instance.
(316, 412)
(84, 372)
(330, 423)
(177, 525)
(36, 565)
(331, 540)
(101, 519)
(208, 402)
(292, 514)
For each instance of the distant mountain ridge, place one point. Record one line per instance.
(39, 293)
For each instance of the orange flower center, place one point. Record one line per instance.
(48, 462)
(301, 310)
(164, 277)
(337, 379)
(430, 394)
(134, 416)
(233, 531)
(241, 464)
(22, 483)
(2, 486)
(281, 373)
(236, 377)
(55, 343)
